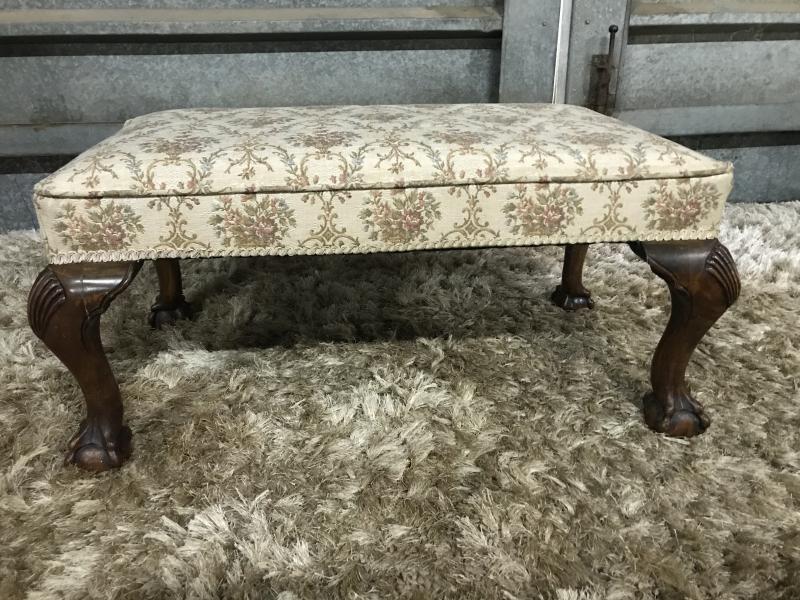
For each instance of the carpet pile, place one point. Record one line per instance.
(420, 425)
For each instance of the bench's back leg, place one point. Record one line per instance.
(64, 309)
(703, 283)
(570, 294)
(170, 305)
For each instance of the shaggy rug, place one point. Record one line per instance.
(420, 425)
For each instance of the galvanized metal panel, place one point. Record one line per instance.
(763, 174)
(713, 12)
(85, 4)
(530, 33)
(70, 89)
(710, 74)
(16, 208)
(42, 140)
(697, 120)
(133, 21)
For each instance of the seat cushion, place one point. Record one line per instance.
(339, 179)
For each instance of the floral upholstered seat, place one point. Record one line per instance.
(312, 180)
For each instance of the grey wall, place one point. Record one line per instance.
(200, 4)
(722, 77)
(71, 74)
(16, 210)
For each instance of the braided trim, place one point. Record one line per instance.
(150, 254)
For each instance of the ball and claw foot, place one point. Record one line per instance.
(162, 313)
(571, 302)
(92, 450)
(570, 293)
(683, 418)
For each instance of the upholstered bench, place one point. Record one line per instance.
(355, 179)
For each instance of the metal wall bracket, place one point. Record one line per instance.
(601, 99)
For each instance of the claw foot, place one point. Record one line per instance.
(681, 417)
(571, 302)
(92, 450)
(168, 314)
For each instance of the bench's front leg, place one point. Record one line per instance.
(64, 309)
(703, 283)
(570, 294)
(170, 305)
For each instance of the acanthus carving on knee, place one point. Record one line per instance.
(720, 265)
(45, 298)
(703, 270)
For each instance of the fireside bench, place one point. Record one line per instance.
(355, 179)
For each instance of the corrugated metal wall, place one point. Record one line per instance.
(74, 70)
(722, 76)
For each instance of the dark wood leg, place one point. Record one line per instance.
(64, 309)
(170, 305)
(703, 283)
(570, 294)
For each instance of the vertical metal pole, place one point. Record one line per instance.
(562, 52)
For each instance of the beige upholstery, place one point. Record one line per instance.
(311, 180)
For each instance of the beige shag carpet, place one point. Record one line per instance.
(419, 425)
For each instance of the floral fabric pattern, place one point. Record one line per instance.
(298, 180)
(98, 226)
(400, 216)
(251, 221)
(546, 211)
(673, 209)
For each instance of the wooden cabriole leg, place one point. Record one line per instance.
(64, 309)
(703, 283)
(570, 294)
(170, 305)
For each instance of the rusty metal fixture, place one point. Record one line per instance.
(600, 97)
